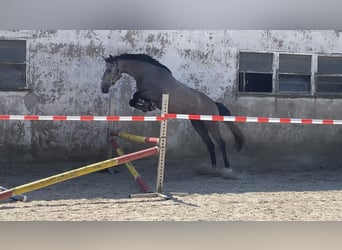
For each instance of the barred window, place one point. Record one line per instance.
(255, 72)
(294, 74)
(289, 74)
(12, 64)
(329, 74)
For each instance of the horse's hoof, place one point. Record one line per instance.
(228, 173)
(132, 103)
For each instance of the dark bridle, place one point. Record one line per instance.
(111, 63)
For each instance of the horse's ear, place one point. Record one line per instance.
(111, 58)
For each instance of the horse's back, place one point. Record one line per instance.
(186, 100)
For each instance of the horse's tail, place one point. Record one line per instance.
(237, 133)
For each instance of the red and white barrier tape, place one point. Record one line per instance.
(79, 118)
(243, 119)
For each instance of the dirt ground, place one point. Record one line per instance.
(254, 195)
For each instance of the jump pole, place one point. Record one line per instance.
(135, 138)
(137, 177)
(77, 172)
(16, 197)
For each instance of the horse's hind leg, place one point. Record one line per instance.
(214, 131)
(201, 129)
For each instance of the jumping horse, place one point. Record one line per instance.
(154, 79)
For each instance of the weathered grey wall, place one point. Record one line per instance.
(65, 68)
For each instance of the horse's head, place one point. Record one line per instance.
(111, 74)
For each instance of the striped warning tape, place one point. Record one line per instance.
(243, 119)
(79, 118)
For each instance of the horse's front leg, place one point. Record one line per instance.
(142, 103)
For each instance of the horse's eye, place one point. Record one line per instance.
(108, 70)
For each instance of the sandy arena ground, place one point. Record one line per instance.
(255, 195)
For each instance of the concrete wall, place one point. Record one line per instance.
(64, 70)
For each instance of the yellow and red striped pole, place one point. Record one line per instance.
(137, 177)
(135, 138)
(77, 172)
(16, 197)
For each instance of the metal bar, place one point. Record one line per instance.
(162, 144)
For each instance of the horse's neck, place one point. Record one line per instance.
(142, 72)
(132, 68)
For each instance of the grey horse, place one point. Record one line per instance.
(154, 79)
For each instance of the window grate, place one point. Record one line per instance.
(12, 64)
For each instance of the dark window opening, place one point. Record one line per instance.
(294, 73)
(255, 72)
(290, 74)
(12, 76)
(329, 75)
(255, 82)
(12, 64)
(329, 84)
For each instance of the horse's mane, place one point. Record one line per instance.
(142, 58)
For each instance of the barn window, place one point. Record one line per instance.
(12, 64)
(294, 73)
(329, 74)
(255, 72)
